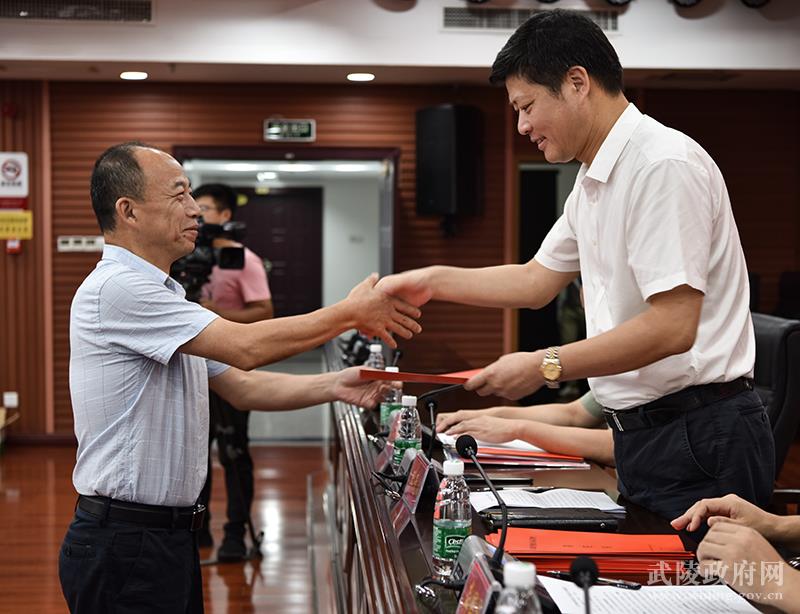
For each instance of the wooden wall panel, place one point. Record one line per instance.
(22, 309)
(754, 136)
(88, 117)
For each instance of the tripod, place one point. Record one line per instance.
(229, 453)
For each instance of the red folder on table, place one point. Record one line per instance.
(459, 377)
(616, 555)
(547, 541)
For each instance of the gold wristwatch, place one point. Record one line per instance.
(551, 367)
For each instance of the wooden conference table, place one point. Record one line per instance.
(374, 570)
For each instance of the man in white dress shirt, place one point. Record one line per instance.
(649, 228)
(142, 361)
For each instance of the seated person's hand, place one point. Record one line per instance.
(745, 560)
(731, 508)
(350, 388)
(490, 429)
(446, 420)
(377, 314)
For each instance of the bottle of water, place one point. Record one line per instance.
(452, 518)
(375, 360)
(392, 402)
(409, 435)
(519, 593)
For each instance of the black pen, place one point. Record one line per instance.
(631, 586)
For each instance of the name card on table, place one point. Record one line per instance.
(479, 589)
(400, 515)
(417, 477)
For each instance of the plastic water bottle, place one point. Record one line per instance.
(392, 402)
(519, 593)
(375, 360)
(409, 435)
(452, 518)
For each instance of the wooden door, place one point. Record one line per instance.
(284, 226)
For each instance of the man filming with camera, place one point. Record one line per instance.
(240, 295)
(142, 359)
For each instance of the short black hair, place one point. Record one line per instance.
(548, 44)
(116, 174)
(224, 196)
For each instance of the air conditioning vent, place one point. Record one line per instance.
(459, 17)
(136, 11)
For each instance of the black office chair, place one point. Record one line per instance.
(777, 378)
(789, 295)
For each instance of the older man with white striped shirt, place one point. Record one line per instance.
(142, 360)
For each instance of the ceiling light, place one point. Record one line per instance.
(350, 168)
(240, 167)
(133, 75)
(266, 175)
(360, 76)
(296, 168)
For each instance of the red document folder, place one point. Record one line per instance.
(617, 555)
(550, 542)
(459, 377)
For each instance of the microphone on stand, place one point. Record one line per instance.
(430, 403)
(584, 574)
(467, 447)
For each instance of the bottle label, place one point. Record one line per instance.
(386, 412)
(447, 540)
(400, 447)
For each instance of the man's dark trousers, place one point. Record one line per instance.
(125, 568)
(708, 451)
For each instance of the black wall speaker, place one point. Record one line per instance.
(449, 160)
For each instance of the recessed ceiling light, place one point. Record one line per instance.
(350, 168)
(360, 76)
(240, 167)
(133, 75)
(266, 175)
(296, 168)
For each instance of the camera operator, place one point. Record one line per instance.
(240, 295)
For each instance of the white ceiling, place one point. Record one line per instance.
(401, 41)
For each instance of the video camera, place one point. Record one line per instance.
(193, 270)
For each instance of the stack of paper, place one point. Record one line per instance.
(517, 453)
(615, 554)
(553, 498)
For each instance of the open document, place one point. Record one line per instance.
(554, 498)
(710, 599)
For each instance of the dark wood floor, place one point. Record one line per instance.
(37, 501)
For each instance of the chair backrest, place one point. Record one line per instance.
(777, 378)
(788, 295)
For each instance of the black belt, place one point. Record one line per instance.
(667, 408)
(155, 516)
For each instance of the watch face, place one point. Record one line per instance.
(551, 371)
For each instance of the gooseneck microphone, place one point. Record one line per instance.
(584, 574)
(430, 403)
(467, 447)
